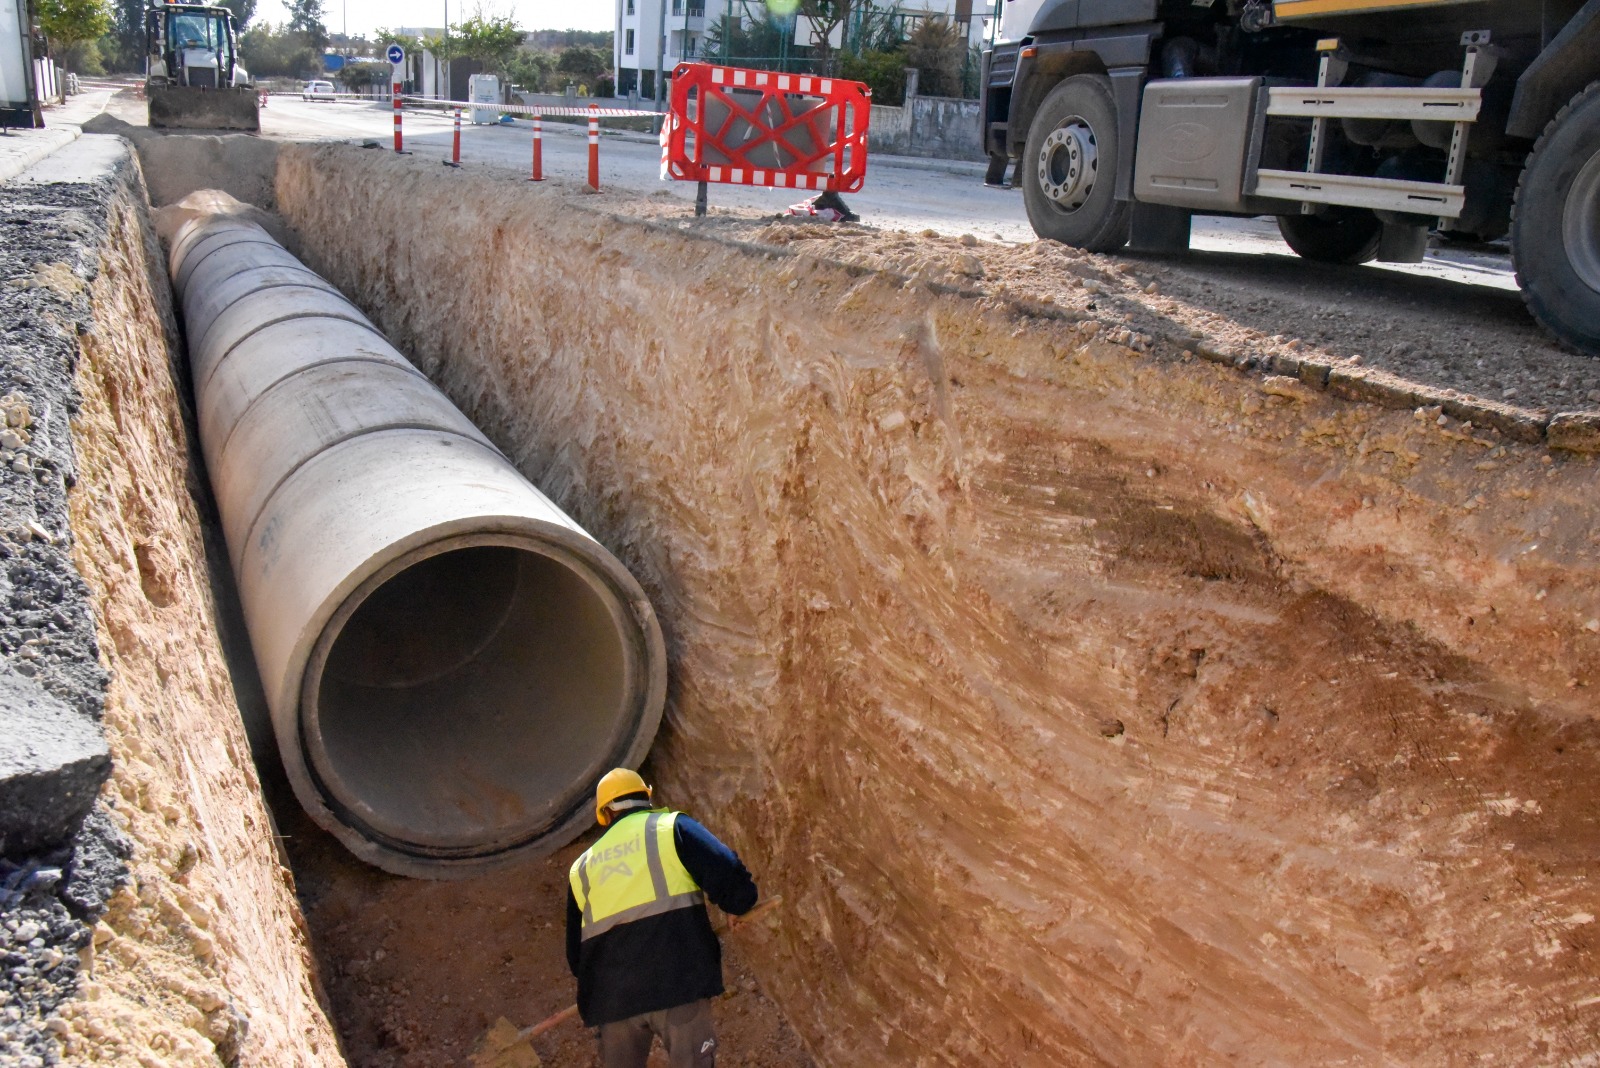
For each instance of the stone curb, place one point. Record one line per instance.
(40, 143)
(1571, 431)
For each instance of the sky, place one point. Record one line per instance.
(366, 16)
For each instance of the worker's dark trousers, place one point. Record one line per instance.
(685, 1031)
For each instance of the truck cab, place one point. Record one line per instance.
(1363, 125)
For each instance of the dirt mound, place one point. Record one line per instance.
(176, 165)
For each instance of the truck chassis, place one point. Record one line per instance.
(1365, 126)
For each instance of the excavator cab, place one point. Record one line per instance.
(193, 76)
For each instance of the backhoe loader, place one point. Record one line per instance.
(193, 78)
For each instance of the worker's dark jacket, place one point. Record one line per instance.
(658, 961)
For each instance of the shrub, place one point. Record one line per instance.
(935, 48)
(884, 73)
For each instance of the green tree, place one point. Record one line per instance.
(884, 73)
(877, 29)
(386, 37)
(83, 57)
(554, 40)
(492, 40)
(272, 51)
(757, 43)
(582, 62)
(936, 49)
(305, 18)
(124, 46)
(532, 69)
(243, 12)
(72, 22)
(444, 48)
(361, 75)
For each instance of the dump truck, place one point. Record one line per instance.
(193, 77)
(1365, 126)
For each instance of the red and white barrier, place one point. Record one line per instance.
(755, 127)
(593, 112)
(539, 109)
(594, 147)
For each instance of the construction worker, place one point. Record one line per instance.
(638, 937)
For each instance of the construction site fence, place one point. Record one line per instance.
(50, 82)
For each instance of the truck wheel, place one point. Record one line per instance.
(1069, 167)
(1555, 225)
(1338, 235)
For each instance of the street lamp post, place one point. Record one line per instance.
(661, 52)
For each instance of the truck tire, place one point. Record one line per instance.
(1555, 225)
(1069, 167)
(1339, 235)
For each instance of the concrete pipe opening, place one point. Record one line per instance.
(461, 699)
(451, 663)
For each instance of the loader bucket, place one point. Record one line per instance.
(191, 108)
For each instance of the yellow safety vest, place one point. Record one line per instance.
(631, 873)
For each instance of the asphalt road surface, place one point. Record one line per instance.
(900, 193)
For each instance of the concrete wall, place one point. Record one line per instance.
(933, 127)
(561, 100)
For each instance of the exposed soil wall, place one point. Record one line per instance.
(1088, 706)
(201, 957)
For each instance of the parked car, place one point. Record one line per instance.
(317, 91)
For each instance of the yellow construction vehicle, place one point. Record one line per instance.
(1363, 125)
(193, 77)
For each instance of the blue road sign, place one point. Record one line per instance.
(397, 55)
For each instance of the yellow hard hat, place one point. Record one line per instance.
(618, 782)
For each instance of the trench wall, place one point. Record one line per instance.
(199, 956)
(1087, 707)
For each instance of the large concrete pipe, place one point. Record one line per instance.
(450, 661)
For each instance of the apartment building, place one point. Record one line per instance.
(639, 25)
(639, 39)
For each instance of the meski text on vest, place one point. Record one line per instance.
(615, 853)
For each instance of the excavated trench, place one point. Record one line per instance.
(1086, 705)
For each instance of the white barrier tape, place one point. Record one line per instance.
(385, 98)
(535, 109)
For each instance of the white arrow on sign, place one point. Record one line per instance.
(397, 55)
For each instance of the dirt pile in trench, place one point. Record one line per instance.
(418, 972)
(1087, 705)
